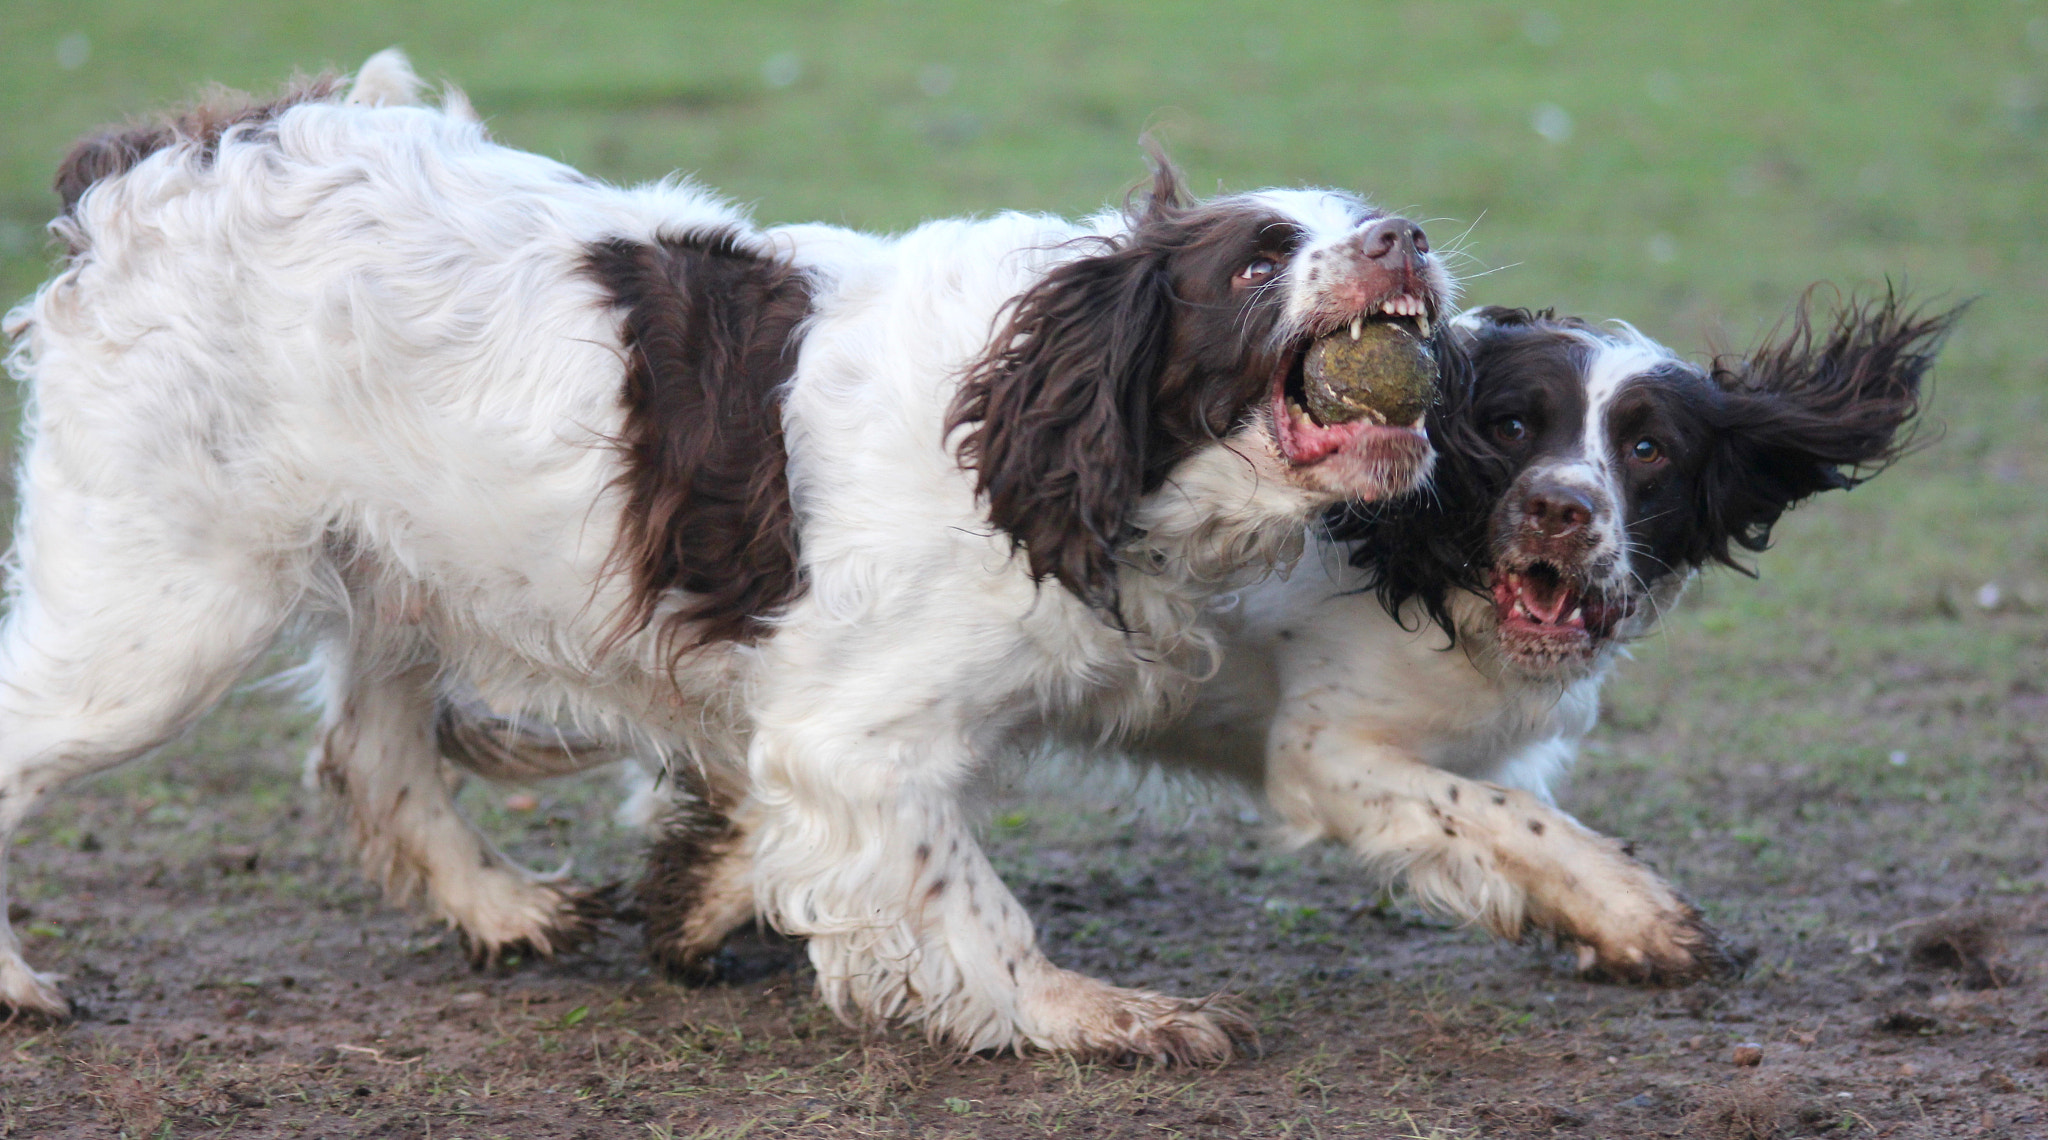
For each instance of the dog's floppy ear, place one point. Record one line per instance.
(1813, 410)
(1058, 410)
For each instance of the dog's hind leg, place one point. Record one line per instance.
(379, 755)
(697, 888)
(119, 637)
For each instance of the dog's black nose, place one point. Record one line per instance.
(1396, 243)
(1557, 511)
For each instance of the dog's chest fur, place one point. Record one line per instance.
(1312, 654)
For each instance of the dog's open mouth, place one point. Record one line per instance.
(1371, 378)
(1547, 617)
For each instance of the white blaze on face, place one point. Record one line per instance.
(1613, 365)
(1330, 224)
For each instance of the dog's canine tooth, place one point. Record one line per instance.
(1357, 327)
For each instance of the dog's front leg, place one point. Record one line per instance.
(1496, 856)
(859, 845)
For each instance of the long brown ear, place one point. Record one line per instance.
(1058, 409)
(1811, 411)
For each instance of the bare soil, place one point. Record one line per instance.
(236, 978)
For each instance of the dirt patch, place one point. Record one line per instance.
(1970, 945)
(236, 979)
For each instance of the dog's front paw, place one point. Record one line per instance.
(29, 995)
(1628, 924)
(1675, 946)
(1102, 1022)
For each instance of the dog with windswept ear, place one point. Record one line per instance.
(1418, 688)
(832, 520)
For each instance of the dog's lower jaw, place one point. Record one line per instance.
(1382, 463)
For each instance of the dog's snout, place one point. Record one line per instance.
(1557, 511)
(1396, 243)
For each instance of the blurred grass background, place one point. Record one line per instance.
(1692, 168)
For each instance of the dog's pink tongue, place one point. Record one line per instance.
(1546, 599)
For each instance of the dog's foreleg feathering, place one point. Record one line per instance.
(906, 917)
(1499, 857)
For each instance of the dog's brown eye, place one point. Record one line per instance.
(1647, 451)
(1510, 429)
(1260, 269)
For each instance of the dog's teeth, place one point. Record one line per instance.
(1357, 327)
(1574, 615)
(1422, 324)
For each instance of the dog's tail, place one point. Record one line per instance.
(385, 80)
(388, 80)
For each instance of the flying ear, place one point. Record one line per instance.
(1058, 410)
(1814, 410)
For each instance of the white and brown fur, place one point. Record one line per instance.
(1415, 689)
(826, 519)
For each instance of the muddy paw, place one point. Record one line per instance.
(1680, 947)
(743, 957)
(1130, 1026)
(695, 896)
(570, 919)
(687, 963)
(30, 997)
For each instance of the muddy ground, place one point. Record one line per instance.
(236, 978)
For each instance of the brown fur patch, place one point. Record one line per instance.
(113, 151)
(709, 326)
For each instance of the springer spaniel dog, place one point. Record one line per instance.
(1415, 692)
(1417, 686)
(832, 518)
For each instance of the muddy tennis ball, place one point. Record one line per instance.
(1381, 372)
